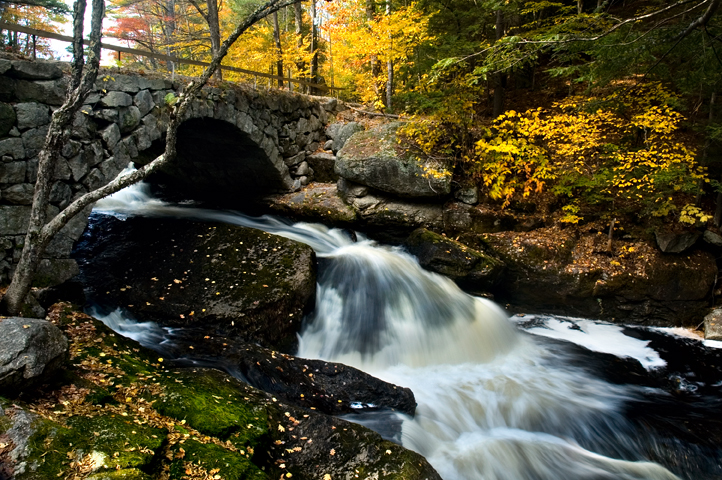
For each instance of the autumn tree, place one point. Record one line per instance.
(41, 230)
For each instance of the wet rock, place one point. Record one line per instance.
(31, 350)
(713, 325)
(471, 269)
(552, 270)
(328, 387)
(230, 281)
(211, 422)
(671, 242)
(375, 159)
(712, 238)
(469, 195)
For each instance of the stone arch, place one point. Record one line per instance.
(218, 161)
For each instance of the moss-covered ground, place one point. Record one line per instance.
(120, 411)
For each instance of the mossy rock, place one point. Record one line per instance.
(374, 158)
(212, 459)
(471, 269)
(319, 202)
(107, 442)
(124, 474)
(227, 280)
(153, 421)
(214, 405)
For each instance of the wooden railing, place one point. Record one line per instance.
(167, 58)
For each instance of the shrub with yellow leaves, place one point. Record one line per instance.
(623, 152)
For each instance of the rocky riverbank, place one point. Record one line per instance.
(117, 410)
(522, 257)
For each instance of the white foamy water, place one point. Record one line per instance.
(596, 336)
(493, 403)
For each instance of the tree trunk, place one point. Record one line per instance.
(298, 17)
(389, 68)
(375, 67)
(58, 133)
(169, 31)
(314, 48)
(499, 79)
(215, 29)
(279, 49)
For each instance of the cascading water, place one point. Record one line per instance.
(493, 402)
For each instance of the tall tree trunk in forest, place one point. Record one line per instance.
(39, 232)
(375, 67)
(298, 17)
(214, 27)
(314, 47)
(279, 49)
(169, 32)
(389, 68)
(499, 79)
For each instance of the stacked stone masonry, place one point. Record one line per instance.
(121, 118)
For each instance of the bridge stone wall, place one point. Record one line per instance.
(124, 116)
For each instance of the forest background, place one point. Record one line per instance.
(587, 110)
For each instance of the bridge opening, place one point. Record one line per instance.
(216, 163)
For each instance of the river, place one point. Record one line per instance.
(498, 398)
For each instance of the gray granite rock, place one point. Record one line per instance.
(36, 70)
(31, 115)
(19, 194)
(31, 350)
(116, 99)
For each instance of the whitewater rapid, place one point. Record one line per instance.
(494, 403)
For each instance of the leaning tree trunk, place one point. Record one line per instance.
(58, 133)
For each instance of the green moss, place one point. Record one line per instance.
(113, 441)
(214, 405)
(230, 465)
(125, 474)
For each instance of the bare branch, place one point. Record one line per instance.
(702, 20)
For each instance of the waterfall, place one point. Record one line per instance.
(494, 403)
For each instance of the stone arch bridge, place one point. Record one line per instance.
(235, 143)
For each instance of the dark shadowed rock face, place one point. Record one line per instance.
(470, 269)
(556, 271)
(31, 351)
(231, 281)
(328, 387)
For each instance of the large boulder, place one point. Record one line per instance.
(328, 387)
(317, 202)
(375, 158)
(228, 280)
(471, 269)
(31, 351)
(557, 270)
